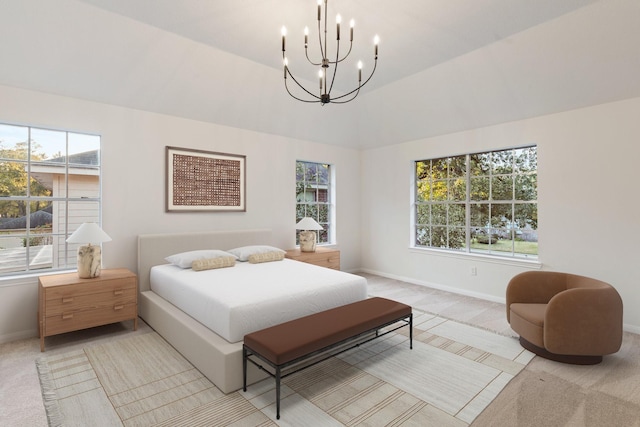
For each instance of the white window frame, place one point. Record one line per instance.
(328, 221)
(420, 228)
(72, 206)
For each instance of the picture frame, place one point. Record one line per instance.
(198, 180)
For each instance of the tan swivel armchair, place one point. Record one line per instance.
(565, 317)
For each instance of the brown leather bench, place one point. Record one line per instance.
(320, 336)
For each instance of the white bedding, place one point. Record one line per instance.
(248, 297)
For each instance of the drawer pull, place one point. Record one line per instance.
(118, 292)
(66, 300)
(118, 307)
(67, 316)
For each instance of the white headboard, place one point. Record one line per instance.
(154, 248)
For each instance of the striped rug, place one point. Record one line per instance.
(453, 372)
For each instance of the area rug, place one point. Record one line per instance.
(453, 372)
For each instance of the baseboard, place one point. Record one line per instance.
(631, 328)
(413, 281)
(20, 335)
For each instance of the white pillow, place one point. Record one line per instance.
(243, 253)
(185, 259)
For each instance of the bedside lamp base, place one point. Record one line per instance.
(89, 261)
(307, 241)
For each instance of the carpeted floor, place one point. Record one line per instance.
(453, 372)
(545, 393)
(555, 394)
(582, 396)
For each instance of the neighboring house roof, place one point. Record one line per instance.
(79, 164)
(86, 158)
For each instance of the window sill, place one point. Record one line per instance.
(517, 262)
(28, 278)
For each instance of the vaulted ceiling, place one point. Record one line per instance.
(444, 65)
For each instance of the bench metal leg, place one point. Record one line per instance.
(244, 369)
(278, 393)
(411, 331)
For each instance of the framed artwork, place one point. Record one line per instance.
(205, 181)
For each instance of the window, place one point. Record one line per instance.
(313, 197)
(49, 186)
(479, 203)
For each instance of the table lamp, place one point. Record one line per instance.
(308, 227)
(89, 254)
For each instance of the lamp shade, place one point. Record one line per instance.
(308, 223)
(89, 232)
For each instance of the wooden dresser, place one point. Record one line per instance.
(67, 303)
(324, 257)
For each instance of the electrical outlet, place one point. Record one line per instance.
(474, 271)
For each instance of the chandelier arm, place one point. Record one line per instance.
(300, 86)
(287, 72)
(306, 52)
(344, 57)
(359, 86)
(309, 59)
(295, 97)
(333, 101)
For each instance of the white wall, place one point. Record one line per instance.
(589, 210)
(133, 179)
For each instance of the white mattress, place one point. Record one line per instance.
(248, 297)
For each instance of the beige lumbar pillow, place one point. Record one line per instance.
(266, 257)
(211, 263)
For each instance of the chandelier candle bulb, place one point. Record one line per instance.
(376, 40)
(338, 21)
(284, 34)
(306, 37)
(359, 71)
(351, 24)
(319, 9)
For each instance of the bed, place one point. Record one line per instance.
(218, 355)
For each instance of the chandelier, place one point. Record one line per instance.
(325, 84)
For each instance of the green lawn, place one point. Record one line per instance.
(529, 248)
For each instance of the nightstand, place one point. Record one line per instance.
(324, 257)
(67, 303)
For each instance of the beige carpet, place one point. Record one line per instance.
(453, 372)
(553, 394)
